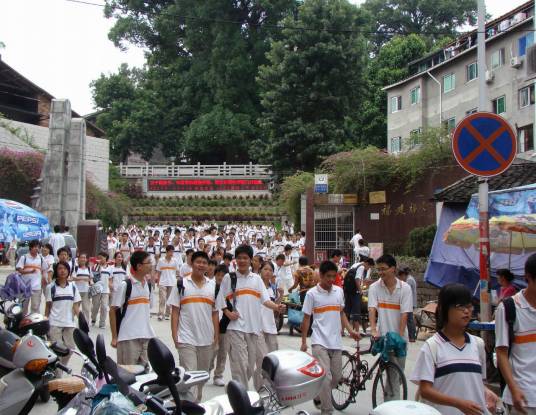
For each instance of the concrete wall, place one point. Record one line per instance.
(97, 151)
(508, 81)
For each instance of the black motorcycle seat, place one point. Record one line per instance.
(270, 365)
(239, 400)
(191, 408)
(126, 376)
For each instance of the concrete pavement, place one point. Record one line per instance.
(163, 331)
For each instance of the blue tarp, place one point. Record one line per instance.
(449, 263)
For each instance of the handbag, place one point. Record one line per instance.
(295, 317)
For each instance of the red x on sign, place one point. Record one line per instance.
(484, 144)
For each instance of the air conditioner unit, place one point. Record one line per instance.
(516, 62)
(490, 76)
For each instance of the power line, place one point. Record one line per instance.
(300, 28)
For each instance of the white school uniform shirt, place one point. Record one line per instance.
(86, 274)
(118, 276)
(126, 250)
(250, 295)
(196, 307)
(136, 323)
(49, 259)
(168, 271)
(37, 265)
(61, 311)
(453, 371)
(177, 254)
(152, 251)
(390, 306)
(105, 275)
(523, 353)
(185, 270)
(325, 307)
(268, 317)
(262, 252)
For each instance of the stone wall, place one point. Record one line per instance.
(97, 152)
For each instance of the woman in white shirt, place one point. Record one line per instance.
(46, 253)
(83, 278)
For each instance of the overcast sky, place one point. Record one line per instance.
(62, 46)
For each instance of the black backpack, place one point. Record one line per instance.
(64, 298)
(510, 318)
(224, 322)
(349, 286)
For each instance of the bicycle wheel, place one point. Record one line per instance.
(389, 384)
(343, 394)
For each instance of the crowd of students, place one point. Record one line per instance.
(223, 297)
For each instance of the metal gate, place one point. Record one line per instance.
(334, 228)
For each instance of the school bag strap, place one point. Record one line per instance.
(120, 312)
(510, 318)
(234, 280)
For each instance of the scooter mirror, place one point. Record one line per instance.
(82, 323)
(100, 349)
(85, 345)
(161, 359)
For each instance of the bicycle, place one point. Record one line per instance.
(355, 374)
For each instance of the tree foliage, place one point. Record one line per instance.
(291, 190)
(312, 86)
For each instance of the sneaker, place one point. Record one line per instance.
(93, 323)
(317, 403)
(159, 318)
(219, 382)
(167, 317)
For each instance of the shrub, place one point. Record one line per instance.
(420, 241)
(291, 191)
(19, 171)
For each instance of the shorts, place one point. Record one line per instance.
(352, 307)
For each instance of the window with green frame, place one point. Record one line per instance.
(499, 105)
(449, 82)
(415, 95)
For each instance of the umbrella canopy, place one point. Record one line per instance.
(508, 234)
(21, 222)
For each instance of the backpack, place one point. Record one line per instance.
(120, 312)
(40, 257)
(349, 286)
(53, 294)
(510, 318)
(224, 322)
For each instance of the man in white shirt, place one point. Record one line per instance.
(517, 355)
(167, 270)
(325, 302)
(57, 240)
(135, 331)
(355, 241)
(194, 319)
(185, 269)
(389, 302)
(34, 267)
(247, 297)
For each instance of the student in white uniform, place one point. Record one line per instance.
(46, 253)
(118, 273)
(194, 319)
(247, 299)
(83, 278)
(389, 302)
(62, 305)
(518, 365)
(325, 303)
(33, 267)
(167, 271)
(451, 366)
(101, 300)
(135, 331)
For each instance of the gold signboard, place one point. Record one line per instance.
(377, 197)
(335, 199)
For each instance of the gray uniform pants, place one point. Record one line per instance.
(35, 300)
(242, 355)
(331, 361)
(132, 352)
(392, 388)
(220, 356)
(195, 358)
(163, 295)
(86, 304)
(100, 304)
(63, 335)
(266, 343)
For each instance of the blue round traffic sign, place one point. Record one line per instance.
(484, 144)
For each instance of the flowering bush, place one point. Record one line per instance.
(19, 171)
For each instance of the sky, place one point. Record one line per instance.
(62, 46)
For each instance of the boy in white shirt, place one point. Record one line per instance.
(518, 365)
(247, 296)
(166, 275)
(325, 302)
(185, 269)
(389, 303)
(134, 332)
(101, 300)
(34, 267)
(194, 319)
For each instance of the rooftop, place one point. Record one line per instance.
(520, 173)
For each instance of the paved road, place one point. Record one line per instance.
(163, 331)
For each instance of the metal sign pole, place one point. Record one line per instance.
(485, 309)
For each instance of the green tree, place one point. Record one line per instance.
(388, 67)
(433, 18)
(200, 55)
(311, 89)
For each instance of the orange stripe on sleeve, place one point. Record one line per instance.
(326, 308)
(389, 306)
(189, 300)
(528, 338)
(139, 300)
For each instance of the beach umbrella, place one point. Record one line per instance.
(21, 222)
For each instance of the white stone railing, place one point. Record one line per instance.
(196, 170)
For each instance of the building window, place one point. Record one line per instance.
(524, 42)
(449, 82)
(471, 111)
(472, 71)
(415, 137)
(525, 138)
(396, 144)
(499, 105)
(450, 124)
(497, 59)
(396, 104)
(415, 95)
(526, 96)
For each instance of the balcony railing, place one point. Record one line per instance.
(196, 170)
